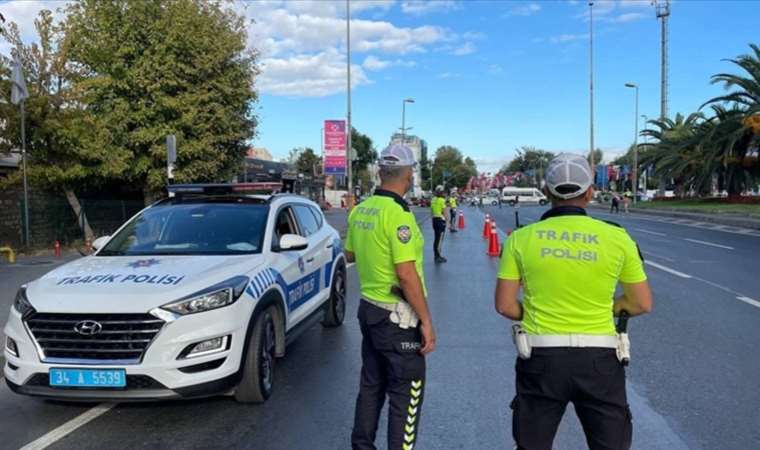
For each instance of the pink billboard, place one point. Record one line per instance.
(335, 147)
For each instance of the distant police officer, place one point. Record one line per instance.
(386, 243)
(438, 212)
(453, 210)
(570, 265)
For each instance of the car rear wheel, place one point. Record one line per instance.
(335, 311)
(258, 363)
(542, 202)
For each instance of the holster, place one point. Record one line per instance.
(522, 344)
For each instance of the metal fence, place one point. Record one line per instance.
(51, 218)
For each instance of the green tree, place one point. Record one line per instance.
(732, 139)
(64, 136)
(450, 168)
(675, 150)
(308, 162)
(529, 159)
(156, 67)
(365, 155)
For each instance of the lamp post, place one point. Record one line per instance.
(591, 82)
(635, 142)
(350, 198)
(403, 118)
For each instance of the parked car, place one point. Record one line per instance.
(195, 295)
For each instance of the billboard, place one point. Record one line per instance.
(335, 147)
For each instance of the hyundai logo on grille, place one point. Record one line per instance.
(88, 327)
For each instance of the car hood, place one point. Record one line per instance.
(124, 284)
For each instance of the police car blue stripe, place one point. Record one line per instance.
(255, 289)
(268, 277)
(259, 283)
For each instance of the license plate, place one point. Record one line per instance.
(92, 378)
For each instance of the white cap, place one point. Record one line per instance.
(397, 155)
(439, 188)
(568, 170)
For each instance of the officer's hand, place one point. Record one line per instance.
(428, 338)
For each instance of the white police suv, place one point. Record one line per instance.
(196, 295)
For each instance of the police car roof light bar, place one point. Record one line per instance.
(176, 190)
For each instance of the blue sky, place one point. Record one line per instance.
(487, 76)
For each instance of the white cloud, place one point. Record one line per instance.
(524, 10)
(24, 13)
(421, 7)
(628, 17)
(446, 75)
(564, 38)
(308, 75)
(464, 49)
(374, 63)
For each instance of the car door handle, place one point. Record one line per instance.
(310, 260)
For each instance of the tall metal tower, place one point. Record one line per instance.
(662, 8)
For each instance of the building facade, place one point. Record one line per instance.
(419, 147)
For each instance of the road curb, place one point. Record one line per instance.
(742, 222)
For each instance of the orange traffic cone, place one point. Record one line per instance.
(461, 220)
(494, 249)
(487, 228)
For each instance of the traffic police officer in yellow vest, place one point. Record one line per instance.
(453, 210)
(386, 244)
(569, 265)
(439, 213)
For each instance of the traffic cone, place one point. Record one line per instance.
(461, 220)
(493, 243)
(487, 228)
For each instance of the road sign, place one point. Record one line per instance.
(335, 147)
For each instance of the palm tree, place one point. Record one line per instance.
(734, 135)
(675, 152)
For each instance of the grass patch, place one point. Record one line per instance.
(702, 206)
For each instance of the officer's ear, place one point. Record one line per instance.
(589, 195)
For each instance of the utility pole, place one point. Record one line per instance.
(349, 147)
(662, 9)
(403, 119)
(635, 183)
(591, 84)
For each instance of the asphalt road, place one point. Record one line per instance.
(692, 383)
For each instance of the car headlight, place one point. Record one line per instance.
(214, 297)
(21, 303)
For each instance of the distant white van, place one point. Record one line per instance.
(524, 195)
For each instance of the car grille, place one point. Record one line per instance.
(123, 337)
(133, 382)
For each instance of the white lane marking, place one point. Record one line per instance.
(69, 427)
(649, 232)
(667, 269)
(749, 301)
(648, 253)
(711, 244)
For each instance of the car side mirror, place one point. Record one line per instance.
(98, 243)
(291, 242)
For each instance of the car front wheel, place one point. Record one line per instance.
(335, 310)
(258, 363)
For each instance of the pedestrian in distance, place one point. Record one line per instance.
(397, 331)
(626, 201)
(438, 210)
(614, 204)
(567, 345)
(452, 204)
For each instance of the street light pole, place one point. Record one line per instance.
(349, 200)
(635, 142)
(591, 83)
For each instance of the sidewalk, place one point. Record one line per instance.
(734, 220)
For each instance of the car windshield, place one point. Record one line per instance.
(192, 229)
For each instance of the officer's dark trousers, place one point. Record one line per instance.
(439, 228)
(392, 366)
(591, 378)
(453, 220)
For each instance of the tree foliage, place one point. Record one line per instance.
(308, 162)
(144, 76)
(531, 160)
(451, 169)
